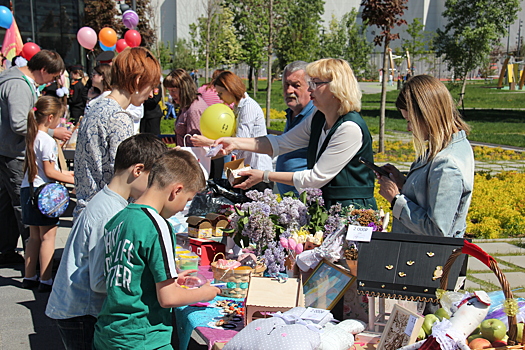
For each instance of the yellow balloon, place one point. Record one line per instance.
(217, 121)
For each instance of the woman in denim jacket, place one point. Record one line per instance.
(433, 199)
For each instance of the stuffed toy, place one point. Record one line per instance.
(288, 331)
(452, 334)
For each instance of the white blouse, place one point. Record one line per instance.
(343, 146)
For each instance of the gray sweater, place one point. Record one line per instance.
(17, 98)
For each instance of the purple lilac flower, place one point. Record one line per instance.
(334, 219)
(313, 196)
(274, 257)
(292, 213)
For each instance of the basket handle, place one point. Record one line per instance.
(478, 253)
(216, 255)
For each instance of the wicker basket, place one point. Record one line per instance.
(480, 254)
(237, 281)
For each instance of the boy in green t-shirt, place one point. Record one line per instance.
(141, 280)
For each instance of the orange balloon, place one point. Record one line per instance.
(107, 36)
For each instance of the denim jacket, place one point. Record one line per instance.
(436, 195)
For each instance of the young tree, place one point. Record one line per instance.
(298, 37)
(215, 39)
(346, 39)
(183, 56)
(386, 15)
(102, 13)
(471, 32)
(419, 41)
(251, 26)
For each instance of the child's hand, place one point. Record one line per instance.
(182, 276)
(209, 292)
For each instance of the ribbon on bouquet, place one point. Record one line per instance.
(331, 250)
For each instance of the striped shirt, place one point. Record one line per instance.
(251, 123)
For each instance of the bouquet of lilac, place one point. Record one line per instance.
(264, 219)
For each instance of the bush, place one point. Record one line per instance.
(498, 206)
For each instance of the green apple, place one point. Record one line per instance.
(422, 334)
(476, 331)
(429, 321)
(474, 336)
(493, 329)
(519, 337)
(442, 313)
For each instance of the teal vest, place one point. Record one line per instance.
(355, 182)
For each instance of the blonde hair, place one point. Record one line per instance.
(343, 83)
(432, 114)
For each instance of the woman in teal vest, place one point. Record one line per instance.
(336, 136)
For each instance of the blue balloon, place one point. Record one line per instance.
(106, 48)
(6, 17)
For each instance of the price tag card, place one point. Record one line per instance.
(313, 314)
(410, 325)
(359, 233)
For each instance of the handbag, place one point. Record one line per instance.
(51, 198)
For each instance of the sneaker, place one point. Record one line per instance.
(11, 258)
(44, 288)
(29, 284)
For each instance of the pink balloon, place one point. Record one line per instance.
(87, 38)
(130, 19)
(133, 38)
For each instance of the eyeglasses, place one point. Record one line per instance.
(312, 85)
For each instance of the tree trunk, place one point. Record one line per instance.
(462, 93)
(208, 28)
(256, 82)
(382, 108)
(269, 68)
(250, 78)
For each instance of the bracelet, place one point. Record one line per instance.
(266, 176)
(394, 201)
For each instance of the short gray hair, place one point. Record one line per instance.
(294, 67)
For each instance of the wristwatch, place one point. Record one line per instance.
(266, 176)
(394, 201)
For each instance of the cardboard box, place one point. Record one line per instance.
(268, 295)
(219, 222)
(199, 227)
(206, 249)
(232, 168)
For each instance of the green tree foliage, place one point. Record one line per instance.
(145, 26)
(472, 30)
(164, 53)
(251, 27)
(386, 15)
(418, 42)
(298, 37)
(183, 56)
(215, 40)
(346, 39)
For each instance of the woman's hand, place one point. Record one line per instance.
(228, 145)
(388, 188)
(254, 177)
(395, 175)
(201, 141)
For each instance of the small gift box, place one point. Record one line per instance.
(232, 170)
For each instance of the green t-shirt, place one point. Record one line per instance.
(140, 252)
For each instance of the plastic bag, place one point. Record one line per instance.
(213, 198)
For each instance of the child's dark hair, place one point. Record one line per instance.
(139, 149)
(44, 106)
(177, 165)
